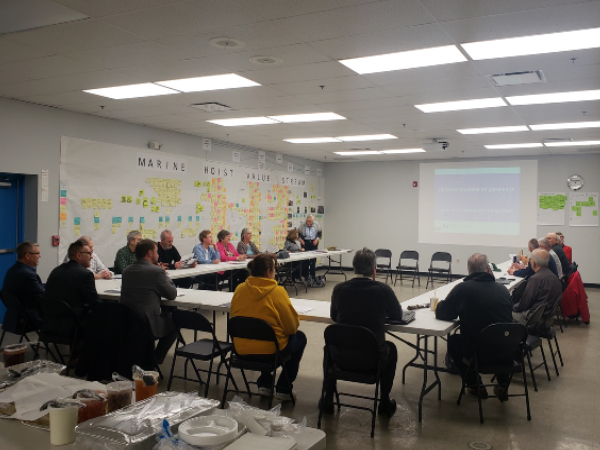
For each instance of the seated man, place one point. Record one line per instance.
(365, 302)
(22, 281)
(206, 253)
(542, 287)
(73, 283)
(126, 255)
(520, 270)
(478, 301)
(568, 250)
(564, 261)
(144, 283)
(545, 245)
(169, 258)
(96, 267)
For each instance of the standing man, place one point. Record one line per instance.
(169, 258)
(542, 287)
(310, 234)
(73, 283)
(99, 270)
(564, 261)
(22, 281)
(126, 255)
(144, 284)
(478, 301)
(365, 302)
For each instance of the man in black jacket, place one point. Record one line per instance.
(479, 301)
(365, 302)
(72, 283)
(557, 247)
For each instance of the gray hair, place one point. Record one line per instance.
(165, 233)
(544, 244)
(540, 257)
(87, 239)
(478, 262)
(310, 216)
(533, 244)
(244, 232)
(364, 262)
(132, 235)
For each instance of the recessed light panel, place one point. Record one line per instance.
(534, 45)
(315, 117)
(211, 83)
(132, 91)
(564, 126)
(319, 140)
(366, 137)
(510, 146)
(406, 150)
(486, 130)
(556, 97)
(462, 105)
(405, 60)
(243, 121)
(572, 144)
(358, 153)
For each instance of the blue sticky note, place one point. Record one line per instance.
(96, 219)
(197, 218)
(259, 217)
(178, 218)
(167, 219)
(160, 219)
(77, 220)
(114, 220)
(189, 218)
(131, 219)
(63, 192)
(274, 198)
(237, 205)
(142, 220)
(119, 220)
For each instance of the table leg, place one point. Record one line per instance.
(410, 363)
(424, 387)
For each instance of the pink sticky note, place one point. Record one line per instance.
(209, 195)
(63, 200)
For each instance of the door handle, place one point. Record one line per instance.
(6, 250)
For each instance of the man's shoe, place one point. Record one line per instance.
(482, 394)
(265, 391)
(387, 407)
(285, 397)
(501, 393)
(327, 406)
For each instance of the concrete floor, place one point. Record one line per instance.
(563, 410)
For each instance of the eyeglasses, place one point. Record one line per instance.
(87, 253)
(33, 253)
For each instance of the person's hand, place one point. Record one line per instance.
(194, 265)
(217, 261)
(105, 274)
(301, 249)
(301, 241)
(316, 241)
(525, 260)
(178, 265)
(164, 265)
(511, 271)
(242, 257)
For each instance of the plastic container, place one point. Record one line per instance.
(142, 390)
(93, 408)
(62, 424)
(207, 431)
(14, 354)
(119, 395)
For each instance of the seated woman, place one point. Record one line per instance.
(246, 246)
(227, 252)
(292, 245)
(262, 298)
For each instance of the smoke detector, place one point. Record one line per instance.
(266, 60)
(212, 107)
(226, 42)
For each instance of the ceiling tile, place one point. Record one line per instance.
(445, 90)
(46, 67)
(323, 85)
(274, 9)
(306, 72)
(344, 96)
(60, 99)
(187, 17)
(95, 8)
(92, 80)
(13, 51)
(173, 70)
(361, 19)
(20, 89)
(10, 77)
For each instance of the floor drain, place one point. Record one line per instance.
(480, 445)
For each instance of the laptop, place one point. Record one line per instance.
(407, 317)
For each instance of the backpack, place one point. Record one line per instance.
(317, 282)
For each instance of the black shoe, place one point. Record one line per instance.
(328, 407)
(387, 407)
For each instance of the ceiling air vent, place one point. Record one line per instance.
(226, 42)
(266, 60)
(212, 107)
(516, 78)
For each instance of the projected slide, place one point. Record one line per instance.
(486, 203)
(477, 200)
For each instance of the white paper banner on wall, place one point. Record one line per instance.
(236, 157)
(262, 156)
(290, 167)
(206, 144)
(551, 208)
(583, 209)
(306, 170)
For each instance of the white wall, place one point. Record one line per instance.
(30, 141)
(374, 204)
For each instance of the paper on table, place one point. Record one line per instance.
(113, 291)
(226, 304)
(304, 310)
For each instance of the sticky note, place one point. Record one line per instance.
(96, 226)
(167, 219)
(77, 220)
(114, 229)
(63, 192)
(153, 200)
(145, 203)
(77, 230)
(96, 219)
(141, 193)
(178, 218)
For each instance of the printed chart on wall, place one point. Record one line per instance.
(584, 209)
(109, 190)
(551, 208)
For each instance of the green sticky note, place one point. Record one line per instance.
(77, 220)
(578, 213)
(123, 199)
(197, 218)
(138, 201)
(129, 199)
(595, 212)
(130, 219)
(114, 220)
(96, 219)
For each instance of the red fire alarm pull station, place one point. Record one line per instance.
(55, 240)
(415, 183)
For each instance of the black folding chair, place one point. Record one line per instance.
(546, 330)
(534, 342)
(258, 330)
(440, 257)
(203, 350)
(387, 266)
(351, 354)
(408, 255)
(60, 326)
(22, 324)
(500, 349)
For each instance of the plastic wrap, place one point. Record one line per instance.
(26, 370)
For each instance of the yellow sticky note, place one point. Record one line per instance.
(129, 199)
(114, 229)
(153, 200)
(96, 226)
(178, 224)
(138, 201)
(123, 199)
(160, 224)
(97, 214)
(157, 208)
(109, 203)
(141, 193)
(77, 230)
(141, 226)
(63, 208)
(183, 234)
(145, 202)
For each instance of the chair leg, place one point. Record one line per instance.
(210, 367)
(462, 391)
(545, 363)
(375, 407)
(531, 371)
(245, 382)
(553, 357)
(227, 376)
(479, 399)
(322, 401)
(558, 352)
(526, 390)
(171, 374)
(2, 337)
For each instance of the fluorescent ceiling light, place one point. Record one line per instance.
(132, 91)
(405, 60)
(243, 121)
(461, 105)
(366, 137)
(211, 83)
(571, 144)
(509, 146)
(312, 140)
(358, 153)
(533, 45)
(486, 130)
(557, 97)
(564, 126)
(315, 117)
(406, 150)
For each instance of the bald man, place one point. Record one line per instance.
(564, 261)
(99, 270)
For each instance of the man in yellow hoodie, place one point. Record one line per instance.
(260, 297)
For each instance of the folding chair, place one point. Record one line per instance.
(23, 323)
(443, 257)
(534, 342)
(345, 346)
(547, 331)
(386, 254)
(408, 255)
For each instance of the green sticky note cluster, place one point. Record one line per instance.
(554, 202)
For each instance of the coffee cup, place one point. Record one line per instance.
(433, 301)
